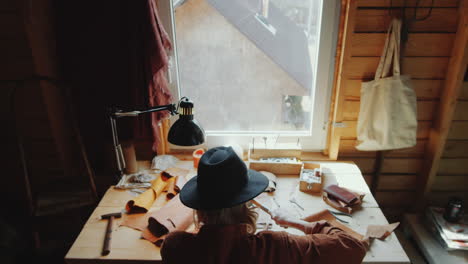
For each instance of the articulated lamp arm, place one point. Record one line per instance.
(114, 114)
(170, 107)
(186, 131)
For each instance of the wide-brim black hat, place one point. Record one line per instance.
(222, 181)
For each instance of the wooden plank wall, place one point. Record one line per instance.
(17, 65)
(452, 176)
(426, 56)
(16, 55)
(26, 50)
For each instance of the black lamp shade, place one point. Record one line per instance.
(186, 132)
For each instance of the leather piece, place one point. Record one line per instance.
(179, 183)
(146, 234)
(173, 216)
(326, 215)
(271, 181)
(174, 187)
(341, 194)
(264, 221)
(177, 180)
(336, 204)
(170, 191)
(341, 206)
(174, 172)
(143, 202)
(381, 231)
(135, 221)
(157, 241)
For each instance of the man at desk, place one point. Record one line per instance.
(220, 194)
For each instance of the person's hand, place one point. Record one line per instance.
(315, 227)
(282, 218)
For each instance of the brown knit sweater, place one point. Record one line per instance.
(232, 244)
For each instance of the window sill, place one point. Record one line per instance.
(306, 156)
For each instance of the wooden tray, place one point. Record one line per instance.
(280, 150)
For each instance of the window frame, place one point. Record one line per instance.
(315, 140)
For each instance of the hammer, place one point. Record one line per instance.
(107, 238)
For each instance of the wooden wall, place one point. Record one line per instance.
(452, 175)
(426, 57)
(16, 66)
(15, 52)
(43, 123)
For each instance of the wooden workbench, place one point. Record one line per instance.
(127, 246)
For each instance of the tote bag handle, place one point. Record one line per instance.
(391, 52)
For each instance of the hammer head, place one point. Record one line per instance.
(115, 215)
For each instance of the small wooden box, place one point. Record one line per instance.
(275, 154)
(311, 178)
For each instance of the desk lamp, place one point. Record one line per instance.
(184, 132)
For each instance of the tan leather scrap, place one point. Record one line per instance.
(135, 221)
(170, 188)
(172, 216)
(326, 215)
(177, 175)
(174, 187)
(381, 231)
(146, 234)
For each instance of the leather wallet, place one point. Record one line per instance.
(341, 194)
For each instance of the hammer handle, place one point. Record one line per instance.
(107, 237)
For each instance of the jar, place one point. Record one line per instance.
(454, 210)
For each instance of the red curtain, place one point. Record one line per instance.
(150, 61)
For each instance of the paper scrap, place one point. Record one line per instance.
(162, 162)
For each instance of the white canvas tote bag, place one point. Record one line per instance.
(387, 115)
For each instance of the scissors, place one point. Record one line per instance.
(335, 214)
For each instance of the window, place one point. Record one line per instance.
(255, 68)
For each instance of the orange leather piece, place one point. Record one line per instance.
(174, 186)
(143, 202)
